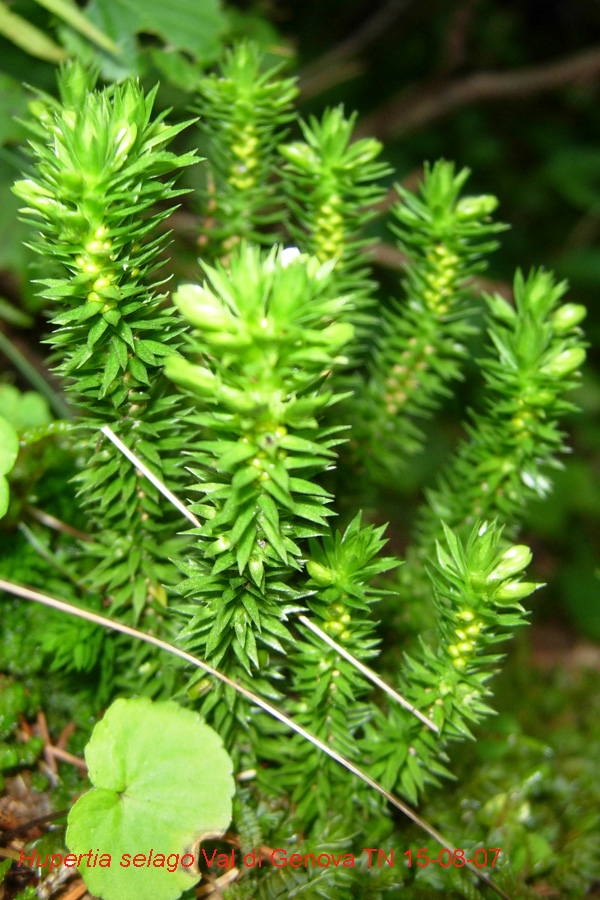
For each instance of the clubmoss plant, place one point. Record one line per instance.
(244, 109)
(477, 590)
(266, 337)
(513, 444)
(244, 421)
(330, 693)
(332, 184)
(445, 238)
(100, 166)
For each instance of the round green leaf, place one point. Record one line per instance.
(4, 497)
(9, 446)
(163, 782)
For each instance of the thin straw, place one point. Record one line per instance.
(368, 673)
(53, 603)
(172, 498)
(150, 476)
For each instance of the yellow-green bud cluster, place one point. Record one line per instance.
(444, 239)
(242, 174)
(329, 236)
(331, 182)
(514, 443)
(243, 111)
(440, 279)
(100, 165)
(338, 621)
(265, 332)
(489, 580)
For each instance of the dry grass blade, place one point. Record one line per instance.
(150, 476)
(368, 673)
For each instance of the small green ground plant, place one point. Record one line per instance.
(238, 394)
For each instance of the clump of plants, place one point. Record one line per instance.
(236, 395)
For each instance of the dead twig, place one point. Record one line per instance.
(76, 891)
(9, 854)
(52, 752)
(406, 113)
(336, 65)
(344, 71)
(6, 836)
(43, 729)
(217, 884)
(58, 753)
(65, 735)
(56, 524)
(454, 52)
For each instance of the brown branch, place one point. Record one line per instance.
(326, 79)
(6, 836)
(64, 736)
(403, 114)
(52, 522)
(43, 729)
(215, 885)
(67, 757)
(335, 65)
(454, 51)
(6, 853)
(76, 891)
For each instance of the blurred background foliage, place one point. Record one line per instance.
(510, 88)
